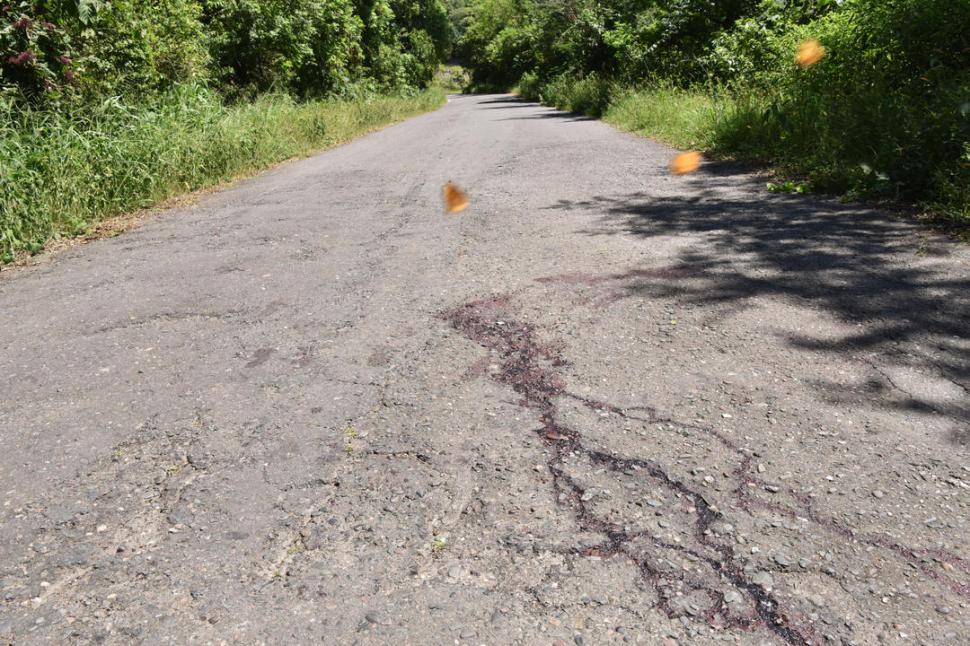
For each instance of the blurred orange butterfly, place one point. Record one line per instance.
(456, 200)
(685, 163)
(809, 53)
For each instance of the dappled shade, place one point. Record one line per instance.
(856, 264)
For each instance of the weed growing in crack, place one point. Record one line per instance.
(438, 545)
(350, 434)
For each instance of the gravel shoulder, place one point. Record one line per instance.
(602, 405)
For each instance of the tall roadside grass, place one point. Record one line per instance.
(63, 172)
(681, 118)
(870, 144)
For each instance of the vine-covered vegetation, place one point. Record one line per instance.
(885, 112)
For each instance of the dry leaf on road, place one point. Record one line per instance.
(456, 200)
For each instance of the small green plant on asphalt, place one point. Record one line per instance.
(298, 546)
(438, 545)
(350, 434)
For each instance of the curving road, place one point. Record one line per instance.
(602, 405)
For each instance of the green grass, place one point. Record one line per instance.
(832, 148)
(63, 172)
(681, 118)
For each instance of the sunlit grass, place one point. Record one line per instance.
(452, 78)
(681, 118)
(838, 151)
(63, 172)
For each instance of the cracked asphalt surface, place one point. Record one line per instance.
(602, 405)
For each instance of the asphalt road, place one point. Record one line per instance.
(602, 405)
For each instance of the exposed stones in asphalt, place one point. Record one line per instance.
(732, 596)
(375, 617)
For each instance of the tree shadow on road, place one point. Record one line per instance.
(505, 98)
(551, 114)
(511, 102)
(889, 279)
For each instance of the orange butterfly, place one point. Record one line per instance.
(809, 53)
(685, 163)
(456, 200)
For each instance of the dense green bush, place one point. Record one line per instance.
(590, 95)
(882, 112)
(308, 46)
(52, 49)
(426, 34)
(35, 53)
(404, 42)
(885, 112)
(94, 47)
(141, 45)
(498, 43)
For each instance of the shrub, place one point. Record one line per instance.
(588, 95)
(308, 46)
(881, 112)
(98, 47)
(141, 45)
(36, 57)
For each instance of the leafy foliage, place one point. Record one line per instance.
(50, 49)
(95, 47)
(140, 45)
(885, 112)
(35, 54)
(309, 46)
